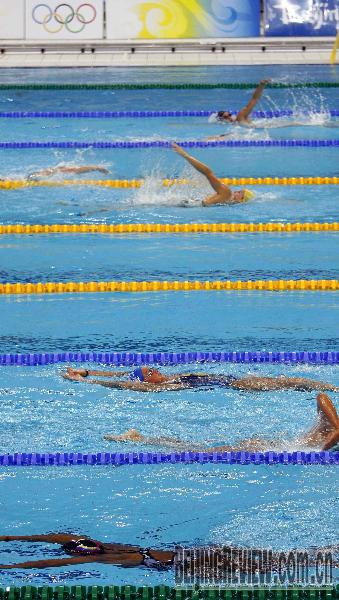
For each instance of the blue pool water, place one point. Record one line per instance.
(161, 506)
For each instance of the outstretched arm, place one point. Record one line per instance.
(84, 169)
(244, 113)
(52, 562)
(87, 372)
(51, 538)
(202, 168)
(138, 386)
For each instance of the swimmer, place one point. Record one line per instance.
(50, 171)
(147, 379)
(242, 117)
(324, 434)
(83, 549)
(223, 193)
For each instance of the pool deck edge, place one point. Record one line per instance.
(166, 53)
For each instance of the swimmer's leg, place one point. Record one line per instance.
(258, 384)
(131, 435)
(249, 445)
(215, 138)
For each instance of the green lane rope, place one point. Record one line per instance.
(161, 86)
(162, 592)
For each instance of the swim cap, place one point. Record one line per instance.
(248, 194)
(137, 374)
(32, 177)
(83, 546)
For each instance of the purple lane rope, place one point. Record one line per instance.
(169, 358)
(185, 144)
(67, 459)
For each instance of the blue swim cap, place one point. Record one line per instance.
(137, 374)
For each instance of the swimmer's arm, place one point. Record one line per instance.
(331, 440)
(89, 373)
(51, 538)
(52, 562)
(138, 386)
(216, 184)
(84, 169)
(244, 113)
(108, 373)
(327, 407)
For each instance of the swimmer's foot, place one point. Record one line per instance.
(132, 435)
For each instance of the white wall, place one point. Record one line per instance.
(12, 19)
(74, 20)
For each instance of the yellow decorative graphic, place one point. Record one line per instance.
(162, 19)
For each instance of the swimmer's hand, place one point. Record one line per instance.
(103, 170)
(265, 81)
(72, 377)
(178, 149)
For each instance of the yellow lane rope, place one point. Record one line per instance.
(168, 228)
(11, 184)
(275, 285)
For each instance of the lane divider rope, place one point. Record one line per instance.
(170, 358)
(121, 228)
(47, 459)
(164, 86)
(164, 592)
(268, 285)
(111, 114)
(9, 184)
(185, 144)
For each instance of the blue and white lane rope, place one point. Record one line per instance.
(170, 358)
(67, 459)
(111, 114)
(185, 144)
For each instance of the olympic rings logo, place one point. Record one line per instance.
(64, 15)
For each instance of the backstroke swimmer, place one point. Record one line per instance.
(146, 379)
(242, 117)
(324, 434)
(50, 171)
(223, 193)
(83, 549)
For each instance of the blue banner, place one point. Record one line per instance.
(301, 17)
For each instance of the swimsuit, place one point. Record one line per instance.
(153, 563)
(194, 381)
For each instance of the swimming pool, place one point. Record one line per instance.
(163, 505)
